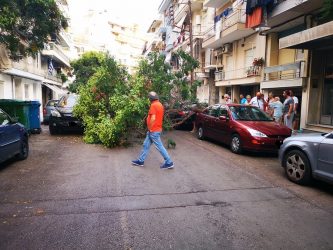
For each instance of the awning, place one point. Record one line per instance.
(24, 74)
(55, 88)
(178, 26)
(49, 81)
(316, 37)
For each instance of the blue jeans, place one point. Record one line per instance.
(154, 137)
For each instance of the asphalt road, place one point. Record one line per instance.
(70, 195)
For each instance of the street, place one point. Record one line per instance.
(72, 195)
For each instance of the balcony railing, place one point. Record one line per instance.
(285, 71)
(53, 78)
(237, 16)
(238, 73)
(61, 55)
(209, 33)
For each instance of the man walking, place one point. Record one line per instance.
(154, 124)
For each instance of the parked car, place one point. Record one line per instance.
(242, 127)
(13, 138)
(62, 118)
(49, 106)
(307, 156)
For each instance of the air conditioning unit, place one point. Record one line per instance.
(227, 48)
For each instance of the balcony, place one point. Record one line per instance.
(54, 51)
(242, 76)
(285, 75)
(65, 39)
(288, 10)
(232, 28)
(285, 71)
(53, 79)
(215, 3)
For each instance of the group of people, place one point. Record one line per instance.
(285, 113)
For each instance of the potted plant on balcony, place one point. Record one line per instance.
(259, 62)
(250, 71)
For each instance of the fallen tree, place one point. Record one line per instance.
(113, 105)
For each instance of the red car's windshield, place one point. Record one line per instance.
(249, 113)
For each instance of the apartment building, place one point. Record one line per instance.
(154, 41)
(37, 78)
(127, 44)
(183, 26)
(234, 51)
(299, 45)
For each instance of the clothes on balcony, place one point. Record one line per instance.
(251, 5)
(255, 18)
(225, 13)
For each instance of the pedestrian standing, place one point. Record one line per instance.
(242, 99)
(248, 100)
(270, 99)
(296, 113)
(258, 101)
(154, 124)
(276, 106)
(288, 109)
(226, 99)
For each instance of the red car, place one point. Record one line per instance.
(241, 127)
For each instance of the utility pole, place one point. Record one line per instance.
(191, 36)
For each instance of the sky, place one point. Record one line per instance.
(142, 12)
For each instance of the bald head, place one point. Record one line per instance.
(152, 96)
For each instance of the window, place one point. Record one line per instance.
(213, 111)
(249, 56)
(224, 112)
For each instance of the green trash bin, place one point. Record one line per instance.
(18, 109)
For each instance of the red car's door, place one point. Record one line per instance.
(208, 118)
(222, 125)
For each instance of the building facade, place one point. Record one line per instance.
(299, 45)
(37, 78)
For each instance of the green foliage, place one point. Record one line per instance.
(113, 105)
(63, 77)
(109, 104)
(326, 11)
(26, 24)
(85, 67)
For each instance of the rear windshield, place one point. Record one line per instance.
(52, 103)
(249, 113)
(67, 101)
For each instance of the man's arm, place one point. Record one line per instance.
(291, 108)
(152, 121)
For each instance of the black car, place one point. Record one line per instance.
(62, 118)
(13, 138)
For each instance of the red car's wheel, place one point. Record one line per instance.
(236, 144)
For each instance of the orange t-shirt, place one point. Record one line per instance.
(156, 108)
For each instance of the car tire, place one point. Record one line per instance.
(236, 144)
(297, 167)
(24, 151)
(201, 135)
(53, 130)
